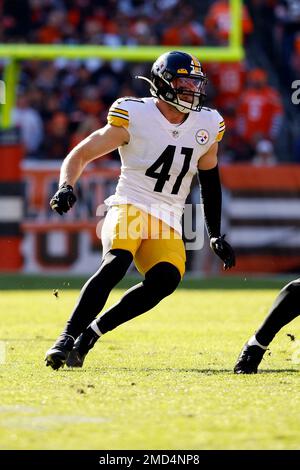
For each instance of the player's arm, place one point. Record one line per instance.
(209, 179)
(96, 145)
(211, 192)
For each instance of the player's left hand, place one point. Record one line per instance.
(224, 250)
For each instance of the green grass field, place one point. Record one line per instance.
(162, 381)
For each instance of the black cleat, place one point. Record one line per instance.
(249, 359)
(82, 345)
(57, 355)
(75, 358)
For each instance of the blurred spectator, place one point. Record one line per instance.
(142, 34)
(288, 25)
(218, 21)
(228, 79)
(51, 32)
(265, 18)
(297, 149)
(184, 30)
(16, 19)
(30, 124)
(264, 154)
(90, 102)
(57, 139)
(295, 60)
(260, 110)
(86, 127)
(47, 79)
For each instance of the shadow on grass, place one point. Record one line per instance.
(277, 371)
(193, 370)
(227, 282)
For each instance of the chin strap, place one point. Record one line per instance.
(154, 92)
(152, 86)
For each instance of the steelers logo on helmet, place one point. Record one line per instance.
(178, 79)
(195, 66)
(202, 136)
(160, 65)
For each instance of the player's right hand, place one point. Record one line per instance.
(63, 199)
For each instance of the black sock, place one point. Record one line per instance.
(160, 281)
(95, 292)
(285, 308)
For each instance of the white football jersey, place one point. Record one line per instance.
(161, 158)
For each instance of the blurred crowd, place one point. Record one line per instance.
(60, 102)
(278, 22)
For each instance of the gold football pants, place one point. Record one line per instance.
(149, 239)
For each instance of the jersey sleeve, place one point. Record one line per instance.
(118, 114)
(220, 127)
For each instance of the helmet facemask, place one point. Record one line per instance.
(190, 93)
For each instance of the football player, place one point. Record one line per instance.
(163, 142)
(283, 311)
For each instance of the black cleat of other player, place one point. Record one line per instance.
(82, 345)
(249, 360)
(57, 355)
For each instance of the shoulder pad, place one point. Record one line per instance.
(220, 125)
(129, 98)
(118, 114)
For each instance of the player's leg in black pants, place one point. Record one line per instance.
(285, 308)
(91, 301)
(160, 281)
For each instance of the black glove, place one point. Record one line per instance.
(222, 249)
(63, 199)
